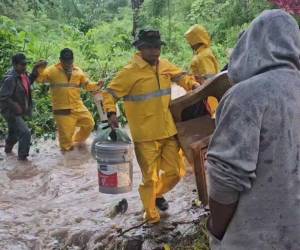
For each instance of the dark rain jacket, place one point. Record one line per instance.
(13, 94)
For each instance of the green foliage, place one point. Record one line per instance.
(221, 18)
(193, 239)
(41, 122)
(3, 128)
(13, 8)
(9, 43)
(99, 32)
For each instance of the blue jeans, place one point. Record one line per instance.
(18, 131)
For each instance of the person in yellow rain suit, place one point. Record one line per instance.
(145, 86)
(204, 63)
(65, 80)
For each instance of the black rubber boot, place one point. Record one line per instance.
(122, 206)
(22, 158)
(162, 204)
(8, 148)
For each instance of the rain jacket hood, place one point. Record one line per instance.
(253, 156)
(265, 46)
(198, 34)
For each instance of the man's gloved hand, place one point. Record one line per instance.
(100, 83)
(37, 67)
(196, 85)
(199, 79)
(40, 64)
(113, 120)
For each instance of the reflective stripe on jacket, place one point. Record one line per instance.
(66, 93)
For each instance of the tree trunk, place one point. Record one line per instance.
(136, 5)
(170, 23)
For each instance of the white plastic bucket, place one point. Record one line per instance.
(114, 167)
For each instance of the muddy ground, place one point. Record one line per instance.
(53, 202)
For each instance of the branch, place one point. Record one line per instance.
(134, 227)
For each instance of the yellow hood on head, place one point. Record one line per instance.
(198, 34)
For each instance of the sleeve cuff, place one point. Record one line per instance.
(221, 193)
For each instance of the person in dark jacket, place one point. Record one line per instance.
(15, 103)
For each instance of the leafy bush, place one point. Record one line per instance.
(99, 33)
(9, 43)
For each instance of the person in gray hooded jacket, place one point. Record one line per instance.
(254, 155)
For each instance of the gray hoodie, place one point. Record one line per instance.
(254, 154)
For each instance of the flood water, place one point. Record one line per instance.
(53, 202)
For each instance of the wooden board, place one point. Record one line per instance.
(215, 86)
(192, 131)
(199, 150)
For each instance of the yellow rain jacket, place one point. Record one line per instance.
(66, 93)
(204, 62)
(146, 91)
(66, 97)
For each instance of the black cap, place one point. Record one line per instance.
(66, 54)
(19, 58)
(148, 37)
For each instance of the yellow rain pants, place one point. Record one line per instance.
(161, 168)
(67, 124)
(65, 95)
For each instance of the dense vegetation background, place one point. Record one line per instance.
(100, 33)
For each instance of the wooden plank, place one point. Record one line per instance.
(192, 131)
(199, 149)
(215, 86)
(200, 127)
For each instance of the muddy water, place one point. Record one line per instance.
(53, 202)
